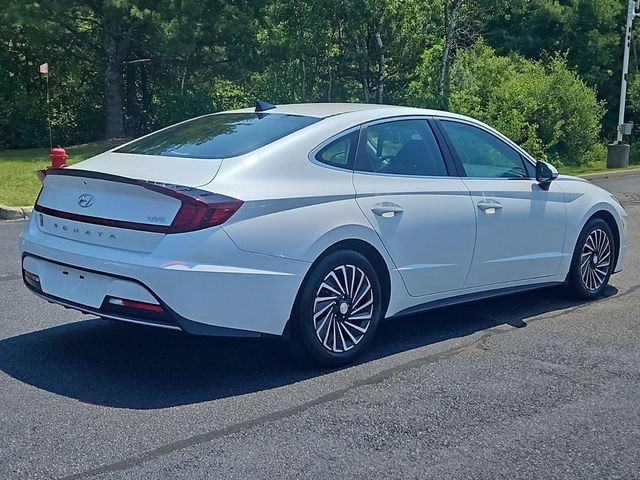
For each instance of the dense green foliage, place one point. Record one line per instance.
(540, 104)
(544, 72)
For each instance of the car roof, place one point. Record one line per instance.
(324, 110)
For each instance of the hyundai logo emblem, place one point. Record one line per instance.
(85, 200)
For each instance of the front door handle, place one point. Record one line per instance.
(387, 209)
(489, 206)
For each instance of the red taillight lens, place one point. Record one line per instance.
(122, 302)
(200, 209)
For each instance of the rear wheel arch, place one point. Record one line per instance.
(370, 252)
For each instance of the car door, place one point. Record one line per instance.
(423, 216)
(520, 225)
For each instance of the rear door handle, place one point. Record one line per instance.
(489, 206)
(387, 209)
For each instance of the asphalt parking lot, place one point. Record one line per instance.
(527, 386)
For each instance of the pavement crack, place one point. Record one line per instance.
(585, 304)
(206, 437)
(479, 344)
(482, 344)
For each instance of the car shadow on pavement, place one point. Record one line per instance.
(127, 366)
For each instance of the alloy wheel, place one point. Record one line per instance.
(343, 308)
(595, 260)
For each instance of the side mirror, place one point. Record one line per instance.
(545, 174)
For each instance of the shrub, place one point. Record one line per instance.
(542, 105)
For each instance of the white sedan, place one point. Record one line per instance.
(313, 222)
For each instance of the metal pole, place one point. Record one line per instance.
(49, 113)
(631, 14)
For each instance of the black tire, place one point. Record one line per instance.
(592, 286)
(310, 345)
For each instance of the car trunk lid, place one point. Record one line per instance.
(99, 209)
(190, 172)
(123, 212)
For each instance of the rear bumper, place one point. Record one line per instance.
(213, 289)
(171, 320)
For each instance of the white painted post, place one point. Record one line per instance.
(631, 14)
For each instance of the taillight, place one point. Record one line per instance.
(199, 209)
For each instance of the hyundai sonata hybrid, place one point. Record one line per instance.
(313, 222)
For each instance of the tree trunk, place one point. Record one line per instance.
(116, 49)
(365, 89)
(304, 80)
(381, 68)
(451, 8)
(145, 122)
(131, 106)
(362, 62)
(184, 77)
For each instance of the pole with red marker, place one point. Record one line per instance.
(57, 155)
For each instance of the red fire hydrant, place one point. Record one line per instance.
(58, 157)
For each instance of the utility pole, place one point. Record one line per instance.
(631, 15)
(44, 70)
(49, 113)
(618, 155)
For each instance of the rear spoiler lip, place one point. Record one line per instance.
(76, 172)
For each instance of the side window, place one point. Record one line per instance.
(340, 152)
(402, 147)
(531, 169)
(483, 154)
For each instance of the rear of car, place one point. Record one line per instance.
(135, 234)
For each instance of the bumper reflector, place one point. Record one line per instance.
(121, 302)
(31, 278)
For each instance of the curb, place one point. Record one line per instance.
(14, 213)
(612, 174)
(21, 213)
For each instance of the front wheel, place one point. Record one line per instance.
(593, 260)
(338, 310)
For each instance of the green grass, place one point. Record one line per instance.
(596, 167)
(19, 185)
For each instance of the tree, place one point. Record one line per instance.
(101, 35)
(541, 104)
(590, 32)
(125, 67)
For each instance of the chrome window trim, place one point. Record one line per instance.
(404, 175)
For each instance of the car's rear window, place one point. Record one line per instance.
(219, 136)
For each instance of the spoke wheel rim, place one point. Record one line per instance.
(343, 308)
(595, 260)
